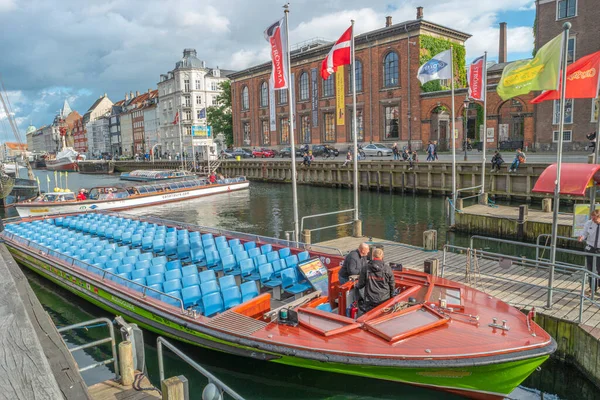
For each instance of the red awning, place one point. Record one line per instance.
(574, 179)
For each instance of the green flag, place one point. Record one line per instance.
(540, 73)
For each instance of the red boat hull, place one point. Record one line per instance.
(57, 165)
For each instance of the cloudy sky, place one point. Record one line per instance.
(77, 50)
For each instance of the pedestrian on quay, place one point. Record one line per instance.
(497, 161)
(413, 158)
(348, 158)
(435, 147)
(430, 151)
(396, 151)
(378, 280)
(353, 263)
(306, 159)
(406, 155)
(591, 236)
(519, 159)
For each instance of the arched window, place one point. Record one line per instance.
(359, 77)
(264, 94)
(304, 92)
(390, 70)
(283, 96)
(245, 98)
(328, 88)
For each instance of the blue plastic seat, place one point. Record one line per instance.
(139, 273)
(231, 297)
(237, 248)
(147, 242)
(117, 256)
(243, 255)
(233, 242)
(254, 252)
(290, 284)
(134, 253)
(272, 256)
(213, 260)
(101, 260)
(196, 255)
(266, 248)
(183, 253)
(125, 268)
(249, 245)
(171, 249)
(112, 264)
(228, 264)
(158, 246)
(285, 252)
(190, 280)
(117, 235)
(171, 300)
(138, 284)
(154, 279)
(209, 287)
(144, 264)
(129, 260)
(173, 274)
(226, 281)
(157, 269)
(267, 279)
(291, 261)
(259, 260)
(151, 293)
(122, 249)
(171, 265)
(191, 296)
(213, 304)
(189, 270)
(206, 276)
(278, 266)
(136, 240)
(145, 256)
(248, 271)
(171, 284)
(303, 256)
(196, 245)
(160, 260)
(220, 239)
(225, 251)
(249, 291)
(107, 252)
(122, 278)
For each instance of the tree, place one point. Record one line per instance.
(219, 116)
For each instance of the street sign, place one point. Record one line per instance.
(203, 132)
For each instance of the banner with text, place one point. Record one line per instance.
(202, 132)
(340, 98)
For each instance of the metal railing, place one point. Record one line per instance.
(95, 343)
(324, 215)
(160, 342)
(586, 276)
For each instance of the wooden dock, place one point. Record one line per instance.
(112, 390)
(503, 221)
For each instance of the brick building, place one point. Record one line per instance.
(583, 40)
(79, 136)
(387, 86)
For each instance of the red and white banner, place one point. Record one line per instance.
(176, 120)
(338, 55)
(275, 35)
(476, 79)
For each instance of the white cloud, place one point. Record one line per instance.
(7, 5)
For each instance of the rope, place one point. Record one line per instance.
(472, 272)
(137, 381)
(396, 307)
(452, 205)
(492, 203)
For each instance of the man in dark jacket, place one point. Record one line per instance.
(354, 262)
(378, 281)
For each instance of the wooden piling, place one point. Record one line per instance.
(430, 240)
(547, 205)
(172, 389)
(306, 236)
(126, 363)
(521, 219)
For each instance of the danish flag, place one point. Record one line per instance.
(339, 55)
(176, 120)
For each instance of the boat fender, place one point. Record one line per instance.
(412, 301)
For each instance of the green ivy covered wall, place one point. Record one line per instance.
(430, 46)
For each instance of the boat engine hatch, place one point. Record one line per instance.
(408, 322)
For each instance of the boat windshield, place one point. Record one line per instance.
(173, 185)
(108, 193)
(57, 197)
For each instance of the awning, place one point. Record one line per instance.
(574, 179)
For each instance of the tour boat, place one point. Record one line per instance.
(255, 297)
(142, 175)
(120, 197)
(65, 160)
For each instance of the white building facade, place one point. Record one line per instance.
(188, 90)
(151, 128)
(98, 137)
(126, 134)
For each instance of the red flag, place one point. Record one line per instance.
(278, 41)
(476, 79)
(582, 80)
(338, 55)
(176, 120)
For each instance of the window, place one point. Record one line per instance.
(246, 130)
(198, 100)
(328, 89)
(264, 94)
(359, 73)
(188, 130)
(566, 9)
(245, 98)
(359, 124)
(214, 86)
(266, 132)
(284, 125)
(304, 86)
(567, 136)
(571, 50)
(188, 115)
(170, 104)
(390, 70)
(329, 124)
(305, 129)
(568, 112)
(283, 96)
(214, 101)
(188, 101)
(198, 87)
(186, 85)
(391, 122)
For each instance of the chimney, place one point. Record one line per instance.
(388, 21)
(149, 90)
(131, 95)
(419, 12)
(126, 96)
(502, 43)
(137, 93)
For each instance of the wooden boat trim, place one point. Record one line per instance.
(349, 324)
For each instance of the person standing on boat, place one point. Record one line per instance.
(81, 195)
(591, 236)
(378, 280)
(353, 264)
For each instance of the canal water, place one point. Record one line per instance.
(266, 209)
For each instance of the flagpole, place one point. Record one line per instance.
(484, 72)
(291, 126)
(596, 150)
(357, 231)
(563, 89)
(454, 194)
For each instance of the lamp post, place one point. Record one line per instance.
(466, 107)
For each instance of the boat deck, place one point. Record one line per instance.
(520, 286)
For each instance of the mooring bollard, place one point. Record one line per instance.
(357, 228)
(172, 389)
(430, 240)
(483, 199)
(547, 205)
(126, 363)
(459, 204)
(306, 236)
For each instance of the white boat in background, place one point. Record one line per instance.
(121, 197)
(66, 160)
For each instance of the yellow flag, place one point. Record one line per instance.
(48, 178)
